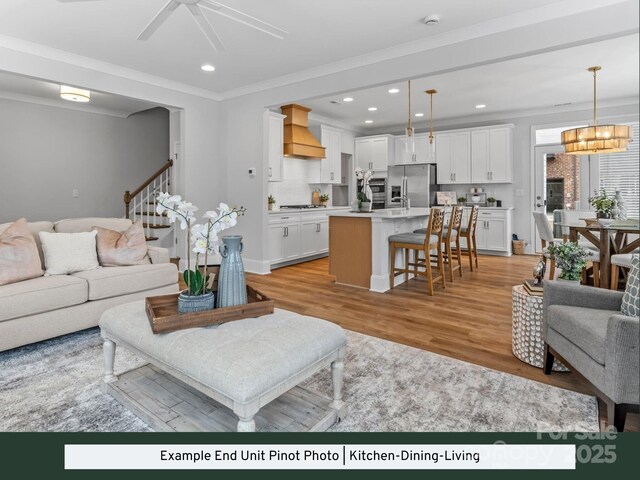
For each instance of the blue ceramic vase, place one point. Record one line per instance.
(232, 289)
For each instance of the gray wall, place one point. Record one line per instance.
(49, 151)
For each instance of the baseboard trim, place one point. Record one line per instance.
(259, 267)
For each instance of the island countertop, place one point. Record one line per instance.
(384, 214)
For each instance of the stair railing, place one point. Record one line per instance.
(140, 203)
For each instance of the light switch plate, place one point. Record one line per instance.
(519, 192)
(75, 193)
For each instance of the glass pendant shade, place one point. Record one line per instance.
(596, 138)
(431, 150)
(409, 141)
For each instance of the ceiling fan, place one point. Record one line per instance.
(195, 9)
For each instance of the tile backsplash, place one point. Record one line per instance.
(295, 188)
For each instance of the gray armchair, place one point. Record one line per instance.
(585, 330)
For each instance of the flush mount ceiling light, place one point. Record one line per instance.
(597, 138)
(195, 9)
(74, 94)
(347, 99)
(207, 68)
(419, 115)
(372, 109)
(481, 105)
(394, 90)
(431, 150)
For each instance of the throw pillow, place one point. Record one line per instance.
(69, 252)
(19, 258)
(117, 249)
(631, 299)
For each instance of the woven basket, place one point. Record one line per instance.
(518, 246)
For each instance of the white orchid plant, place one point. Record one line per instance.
(203, 237)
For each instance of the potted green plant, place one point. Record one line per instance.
(491, 202)
(324, 198)
(570, 258)
(272, 201)
(462, 200)
(602, 204)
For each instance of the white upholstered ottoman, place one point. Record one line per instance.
(243, 365)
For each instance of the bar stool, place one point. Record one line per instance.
(418, 242)
(467, 232)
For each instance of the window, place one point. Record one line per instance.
(621, 171)
(551, 136)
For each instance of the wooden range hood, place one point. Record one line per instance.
(298, 140)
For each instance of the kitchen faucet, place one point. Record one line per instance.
(404, 201)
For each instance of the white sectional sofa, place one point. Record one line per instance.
(47, 307)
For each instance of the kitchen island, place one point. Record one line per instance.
(359, 244)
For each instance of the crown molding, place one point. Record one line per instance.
(497, 25)
(49, 102)
(55, 54)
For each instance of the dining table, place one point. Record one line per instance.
(609, 239)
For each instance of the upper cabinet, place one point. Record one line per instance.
(419, 156)
(453, 156)
(491, 154)
(479, 155)
(375, 153)
(331, 165)
(273, 139)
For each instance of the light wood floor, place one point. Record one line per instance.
(470, 320)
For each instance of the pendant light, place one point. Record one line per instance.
(597, 138)
(409, 142)
(431, 147)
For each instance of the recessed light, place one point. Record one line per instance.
(368, 121)
(347, 99)
(74, 94)
(372, 109)
(482, 105)
(394, 90)
(208, 68)
(419, 115)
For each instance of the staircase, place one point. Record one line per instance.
(140, 204)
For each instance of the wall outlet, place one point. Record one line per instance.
(252, 172)
(75, 193)
(519, 192)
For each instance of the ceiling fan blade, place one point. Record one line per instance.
(205, 26)
(158, 20)
(243, 18)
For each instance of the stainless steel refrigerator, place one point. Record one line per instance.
(417, 182)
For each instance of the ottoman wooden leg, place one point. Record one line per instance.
(109, 351)
(247, 424)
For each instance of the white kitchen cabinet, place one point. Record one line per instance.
(291, 244)
(453, 156)
(331, 165)
(375, 153)
(273, 139)
(276, 243)
(491, 155)
(314, 237)
(419, 156)
(297, 235)
(493, 230)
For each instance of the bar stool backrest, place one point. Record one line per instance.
(455, 222)
(473, 220)
(435, 225)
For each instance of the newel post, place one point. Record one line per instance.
(127, 201)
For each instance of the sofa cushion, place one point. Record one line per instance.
(584, 327)
(41, 294)
(110, 282)
(76, 225)
(66, 253)
(36, 228)
(19, 258)
(631, 299)
(119, 249)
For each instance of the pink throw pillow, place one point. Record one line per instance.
(117, 249)
(19, 258)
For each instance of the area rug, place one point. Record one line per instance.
(56, 386)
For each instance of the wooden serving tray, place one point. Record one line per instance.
(163, 315)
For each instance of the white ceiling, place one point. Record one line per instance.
(321, 32)
(536, 82)
(33, 90)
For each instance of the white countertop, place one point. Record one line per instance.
(294, 210)
(385, 213)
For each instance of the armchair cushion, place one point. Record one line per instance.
(631, 299)
(585, 327)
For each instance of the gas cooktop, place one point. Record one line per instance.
(299, 206)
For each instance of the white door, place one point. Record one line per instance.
(308, 238)
(480, 156)
(500, 151)
(336, 157)
(363, 154)
(422, 148)
(461, 157)
(276, 243)
(496, 234)
(380, 154)
(291, 242)
(276, 139)
(402, 157)
(443, 158)
(323, 236)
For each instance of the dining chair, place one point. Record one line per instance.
(416, 243)
(620, 261)
(546, 237)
